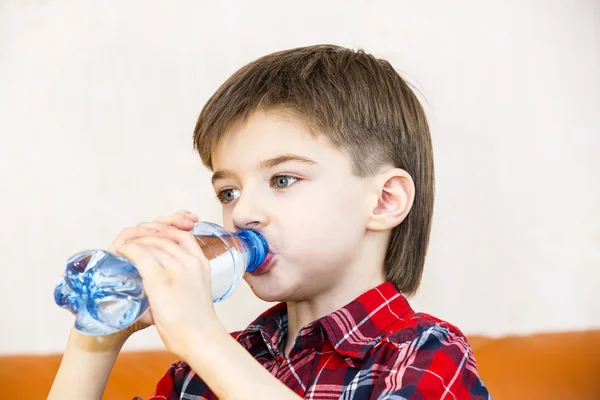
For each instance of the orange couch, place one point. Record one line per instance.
(542, 366)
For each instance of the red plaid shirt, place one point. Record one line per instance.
(376, 347)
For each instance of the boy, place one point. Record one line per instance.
(327, 153)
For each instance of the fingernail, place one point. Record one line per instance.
(152, 231)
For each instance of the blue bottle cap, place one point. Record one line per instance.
(257, 248)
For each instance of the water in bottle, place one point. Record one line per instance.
(105, 291)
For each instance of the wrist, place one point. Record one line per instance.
(213, 334)
(97, 344)
(86, 365)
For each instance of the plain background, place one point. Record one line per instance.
(98, 101)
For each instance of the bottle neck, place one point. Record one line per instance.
(257, 248)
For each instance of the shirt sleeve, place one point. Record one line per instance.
(437, 364)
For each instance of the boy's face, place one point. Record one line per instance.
(273, 176)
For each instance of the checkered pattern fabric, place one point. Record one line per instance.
(376, 347)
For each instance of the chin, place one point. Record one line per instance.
(269, 298)
(269, 295)
(272, 290)
(280, 284)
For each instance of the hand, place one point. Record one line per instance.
(176, 278)
(183, 220)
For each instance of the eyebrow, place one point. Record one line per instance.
(266, 164)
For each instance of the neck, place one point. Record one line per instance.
(364, 274)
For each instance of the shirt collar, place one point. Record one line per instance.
(352, 330)
(356, 328)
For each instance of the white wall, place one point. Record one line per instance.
(98, 101)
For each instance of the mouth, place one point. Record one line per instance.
(266, 265)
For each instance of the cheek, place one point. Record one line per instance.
(334, 208)
(325, 225)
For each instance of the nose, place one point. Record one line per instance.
(248, 213)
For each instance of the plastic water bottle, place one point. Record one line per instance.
(105, 291)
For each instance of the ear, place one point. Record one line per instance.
(395, 192)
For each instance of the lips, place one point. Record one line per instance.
(266, 265)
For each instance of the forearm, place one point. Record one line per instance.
(232, 373)
(85, 366)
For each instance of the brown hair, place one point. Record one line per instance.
(362, 106)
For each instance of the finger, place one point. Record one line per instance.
(131, 233)
(179, 221)
(187, 214)
(154, 225)
(184, 239)
(169, 254)
(146, 263)
(153, 228)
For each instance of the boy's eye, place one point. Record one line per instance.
(228, 195)
(283, 181)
